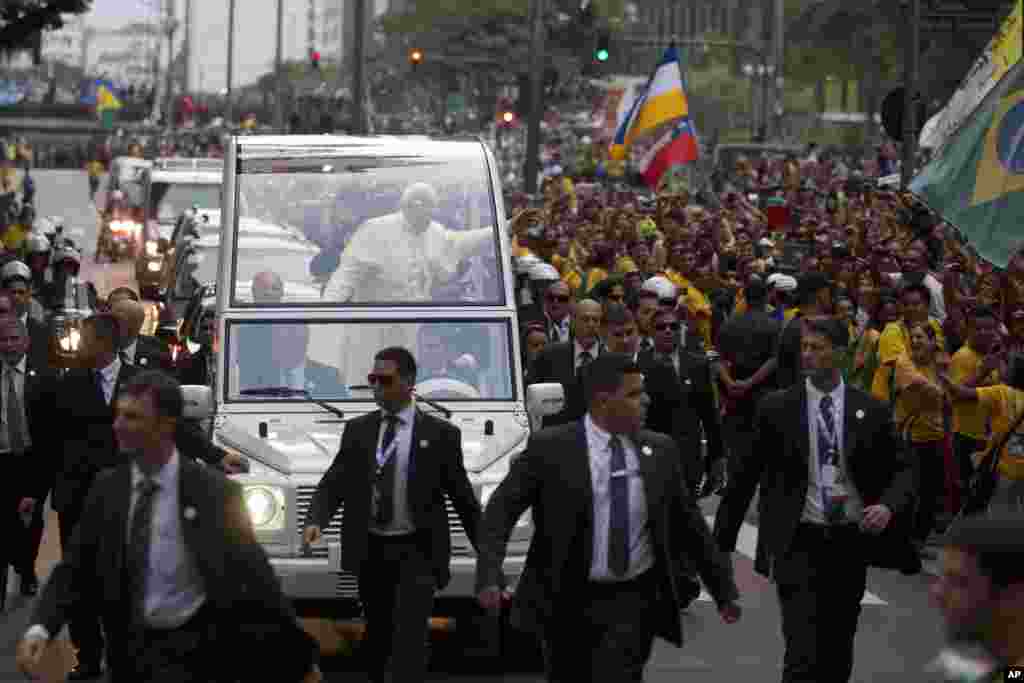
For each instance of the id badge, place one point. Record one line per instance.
(829, 475)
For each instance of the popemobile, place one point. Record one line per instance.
(291, 369)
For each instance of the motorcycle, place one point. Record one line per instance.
(119, 237)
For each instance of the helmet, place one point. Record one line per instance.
(525, 263)
(37, 243)
(543, 272)
(42, 225)
(15, 269)
(662, 286)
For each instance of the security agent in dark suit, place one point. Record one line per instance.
(12, 304)
(614, 528)
(392, 473)
(565, 362)
(829, 507)
(683, 402)
(166, 554)
(135, 348)
(85, 403)
(26, 411)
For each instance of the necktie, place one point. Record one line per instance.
(384, 483)
(826, 450)
(98, 379)
(15, 422)
(618, 532)
(139, 543)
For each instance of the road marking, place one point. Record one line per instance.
(746, 545)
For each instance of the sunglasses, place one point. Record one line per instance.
(661, 327)
(560, 298)
(616, 297)
(383, 380)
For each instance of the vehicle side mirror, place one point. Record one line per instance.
(198, 402)
(544, 400)
(163, 244)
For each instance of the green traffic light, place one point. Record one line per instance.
(602, 55)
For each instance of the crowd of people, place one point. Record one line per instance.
(736, 299)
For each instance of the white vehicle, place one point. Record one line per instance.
(290, 371)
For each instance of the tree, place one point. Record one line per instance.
(23, 21)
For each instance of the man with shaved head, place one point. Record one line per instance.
(138, 349)
(267, 287)
(566, 362)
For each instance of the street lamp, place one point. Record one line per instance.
(761, 73)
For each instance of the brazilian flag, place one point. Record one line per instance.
(977, 182)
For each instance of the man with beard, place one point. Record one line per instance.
(980, 594)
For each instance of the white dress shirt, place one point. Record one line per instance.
(577, 350)
(814, 506)
(641, 552)
(560, 328)
(401, 520)
(109, 379)
(19, 389)
(129, 351)
(174, 588)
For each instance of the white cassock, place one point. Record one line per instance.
(387, 262)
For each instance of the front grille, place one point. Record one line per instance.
(332, 534)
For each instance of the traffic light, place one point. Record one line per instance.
(602, 51)
(314, 59)
(415, 57)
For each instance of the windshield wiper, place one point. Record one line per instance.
(288, 392)
(433, 404)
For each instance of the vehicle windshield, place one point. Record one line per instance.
(414, 229)
(457, 360)
(291, 265)
(168, 200)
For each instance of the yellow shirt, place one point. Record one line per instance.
(14, 236)
(911, 401)
(697, 305)
(894, 351)
(94, 168)
(595, 277)
(969, 417)
(1004, 404)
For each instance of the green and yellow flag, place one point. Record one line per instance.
(977, 180)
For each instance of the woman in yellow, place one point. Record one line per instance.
(896, 370)
(1004, 404)
(921, 403)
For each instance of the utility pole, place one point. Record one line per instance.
(532, 165)
(358, 67)
(911, 96)
(186, 85)
(228, 105)
(779, 59)
(172, 24)
(279, 71)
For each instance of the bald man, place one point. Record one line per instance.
(267, 288)
(137, 349)
(566, 362)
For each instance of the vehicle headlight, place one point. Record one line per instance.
(266, 507)
(152, 248)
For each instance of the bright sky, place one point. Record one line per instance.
(255, 39)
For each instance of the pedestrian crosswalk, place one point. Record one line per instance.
(746, 545)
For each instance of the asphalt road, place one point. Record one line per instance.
(899, 632)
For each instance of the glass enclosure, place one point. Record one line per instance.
(278, 360)
(288, 260)
(413, 229)
(167, 201)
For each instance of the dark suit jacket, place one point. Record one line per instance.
(152, 354)
(681, 405)
(552, 478)
(86, 443)
(435, 470)
(556, 364)
(880, 470)
(747, 341)
(239, 581)
(33, 471)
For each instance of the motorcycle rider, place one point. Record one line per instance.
(67, 288)
(37, 257)
(16, 278)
